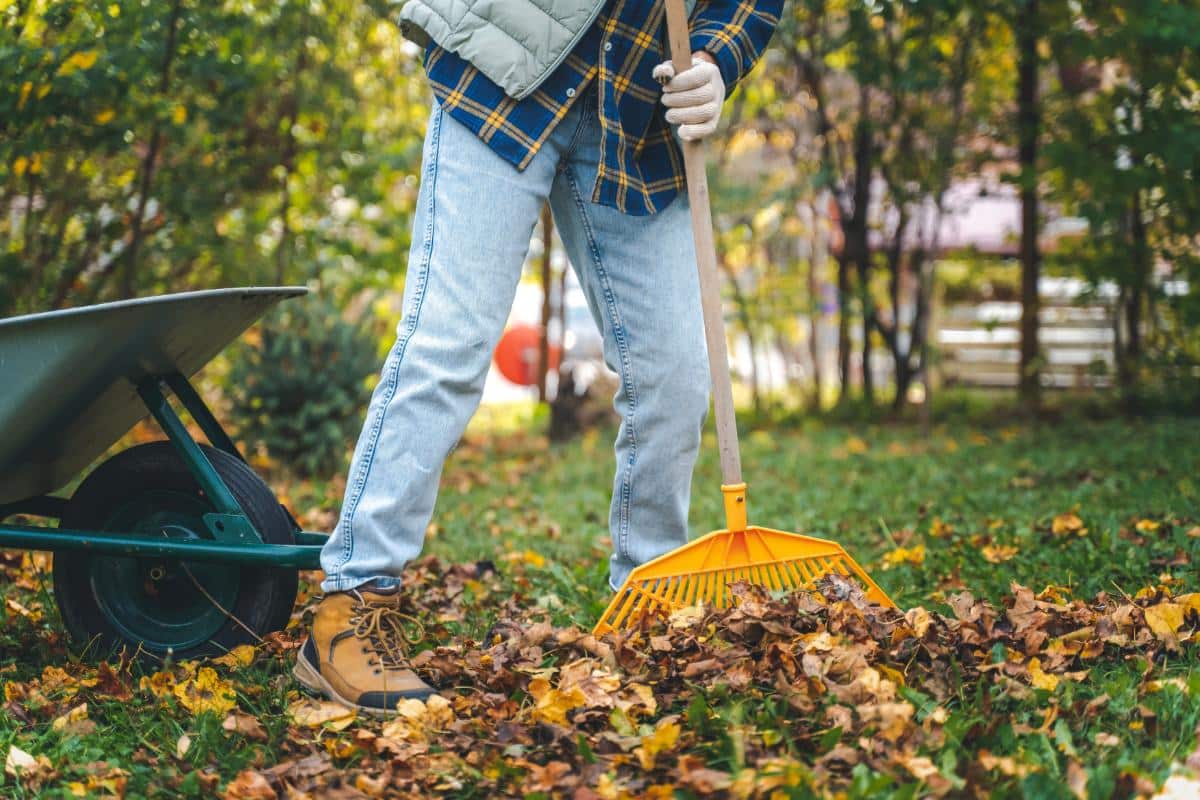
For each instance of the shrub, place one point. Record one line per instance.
(299, 389)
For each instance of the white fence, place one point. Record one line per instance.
(979, 345)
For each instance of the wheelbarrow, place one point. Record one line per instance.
(171, 547)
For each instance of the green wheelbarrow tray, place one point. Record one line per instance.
(144, 547)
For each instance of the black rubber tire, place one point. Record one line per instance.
(265, 595)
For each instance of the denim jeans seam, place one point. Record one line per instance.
(576, 136)
(626, 369)
(398, 350)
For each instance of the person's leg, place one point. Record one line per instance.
(475, 215)
(639, 275)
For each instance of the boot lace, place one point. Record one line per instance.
(390, 631)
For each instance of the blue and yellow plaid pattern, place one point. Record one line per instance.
(641, 168)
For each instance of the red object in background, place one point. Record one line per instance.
(517, 354)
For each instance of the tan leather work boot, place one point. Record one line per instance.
(355, 652)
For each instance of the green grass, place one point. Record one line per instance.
(540, 514)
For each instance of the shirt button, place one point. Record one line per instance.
(570, 92)
(607, 46)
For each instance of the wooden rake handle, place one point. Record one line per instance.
(706, 262)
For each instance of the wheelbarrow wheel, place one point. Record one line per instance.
(160, 606)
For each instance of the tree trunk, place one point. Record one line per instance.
(816, 260)
(1133, 301)
(843, 296)
(1028, 123)
(858, 238)
(151, 158)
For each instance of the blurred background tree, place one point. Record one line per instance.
(182, 144)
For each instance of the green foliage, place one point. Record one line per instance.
(1124, 149)
(299, 388)
(159, 146)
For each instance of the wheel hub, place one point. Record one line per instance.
(167, 604)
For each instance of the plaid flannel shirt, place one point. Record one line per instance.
(641, 167)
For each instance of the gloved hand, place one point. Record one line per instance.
(694, 97)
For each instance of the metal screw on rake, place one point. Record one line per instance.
(703, 570)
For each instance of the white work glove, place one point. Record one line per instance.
(694, 97)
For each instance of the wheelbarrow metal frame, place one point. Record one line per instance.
(234, 538)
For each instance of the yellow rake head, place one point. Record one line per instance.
(702, 571)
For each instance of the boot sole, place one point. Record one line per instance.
(310, 679)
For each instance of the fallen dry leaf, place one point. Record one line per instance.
(250, 785)
(205, 692)
(246, 725)
(313, 713)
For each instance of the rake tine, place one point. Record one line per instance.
(794, 576)
(626, 609)
(773, 576)
(680, 589)
(617, 612)
(785, 576)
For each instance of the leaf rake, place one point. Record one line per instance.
(702, 571)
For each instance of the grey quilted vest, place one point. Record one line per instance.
(516, 43)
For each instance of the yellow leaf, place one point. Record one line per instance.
(1000, 553)
(205, 691)
(1165, 620)
(856, 445)
(240, 656)
(77, 714)
(105, 116)
(1040, 679)
(20, 164)
(179, 114)
(553, 704)
(637, 698)
(317, 713)
(1066, 524)
(114, 10)
(663, 739)
(904, 555)
(418, 721)
(1147, 526)
(160, 684)
(26, 88)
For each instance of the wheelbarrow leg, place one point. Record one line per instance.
(195, 405)
(217, 437)
(229, 523)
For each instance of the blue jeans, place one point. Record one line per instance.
(474, 220)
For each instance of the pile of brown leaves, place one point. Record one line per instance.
(535, 708)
